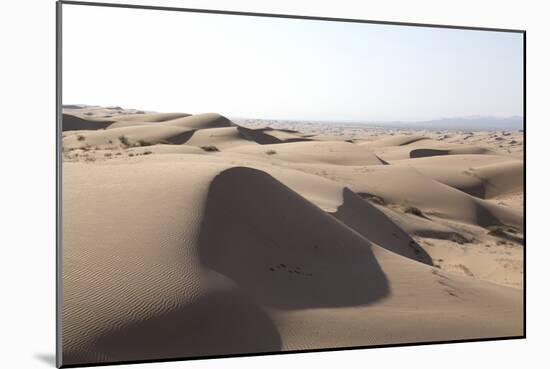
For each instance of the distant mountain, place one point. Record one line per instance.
(471, 123)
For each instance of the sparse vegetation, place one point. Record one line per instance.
(124, 140)
(210, 148)
(373, 198)
(147, 152)
(80, 138)
(414, 211)
(495, 230)
(458, 238)
(505, 232)
(271, 152)
(143, 143)
(108, 155)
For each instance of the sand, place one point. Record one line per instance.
(196, 235)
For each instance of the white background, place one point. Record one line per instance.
(27, 180)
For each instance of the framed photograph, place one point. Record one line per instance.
(234, 184)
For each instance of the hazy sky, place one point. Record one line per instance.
(286, 69)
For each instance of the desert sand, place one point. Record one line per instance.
(195, 235)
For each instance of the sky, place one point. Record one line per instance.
(272, 68)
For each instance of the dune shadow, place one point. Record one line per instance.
(262, 136)
(478, 190)
(484, 217)
(424, 153)
(74, 123)
(297, 139)
(181, 138)
(382, 160)
(377, 227)
(283, 250)
(257, 135)
(224, 322)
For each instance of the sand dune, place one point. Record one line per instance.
(286, 136)
(327, 152)
(195, 236)
(74, 123)
(374, 225)
(150, 117)
(200, 121)
(400, 140)
(127, 136)
(227, 137)
(425, 148)
(406, 186)
(483, 181)
(421, 153)
(221, 138)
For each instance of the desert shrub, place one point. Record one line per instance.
(124, 140)
(494, 229)
(506, 232)
(271, 152)
(373, 198)
(80, 138)
(147, 152)
(108, 155)
(458, 238)
(414, 211)
(498, 230)
(210, 148)
(143, 143)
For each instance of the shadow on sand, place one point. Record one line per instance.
(283, 250)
